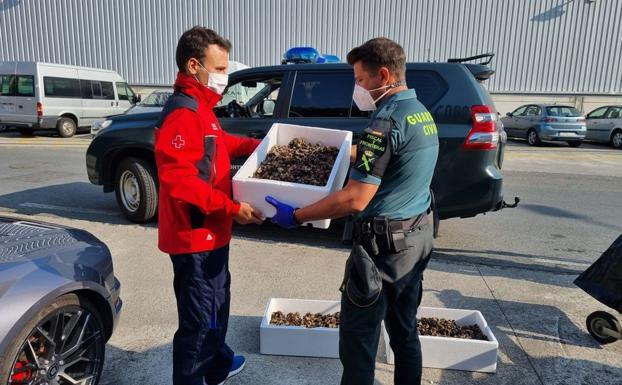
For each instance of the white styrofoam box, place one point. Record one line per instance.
(455, 353)
(296, 340)
(254, 191)
(437, 352)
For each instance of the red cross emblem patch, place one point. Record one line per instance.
(178, 142)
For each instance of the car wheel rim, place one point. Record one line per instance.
(67, 127)
(532, 137)
(65, 348)
(617, 139)
(130, 191)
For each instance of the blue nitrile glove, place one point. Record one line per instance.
(284, 216)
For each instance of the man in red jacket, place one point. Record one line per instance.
(196, 210)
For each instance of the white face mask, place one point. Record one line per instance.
(215, 82)
(363, 99)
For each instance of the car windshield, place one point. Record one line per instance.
(156, 99)
(563, 111)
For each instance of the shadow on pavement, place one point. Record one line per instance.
(329, 238)
(154, 366)
(505, 267)
(566, 214)
(532, 325)
(75, 200)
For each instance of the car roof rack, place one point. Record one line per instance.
(488, 56)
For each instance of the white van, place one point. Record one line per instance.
(36, 95)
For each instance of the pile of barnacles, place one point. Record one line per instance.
(309, 320)
(299, 162)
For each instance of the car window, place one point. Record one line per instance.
(257, 94)
(55, 87)
(107, 90)
(562, 111)
(598, 114)
(322, 94)
(429, 86)
(614, 113)
(94, 89)
(532, 111)
(122, 91)
(25, 85)
(519, 111)
(6, 85)
(156, 99)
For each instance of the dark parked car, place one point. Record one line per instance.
(552, 123)
(59, 304)
(467, 182)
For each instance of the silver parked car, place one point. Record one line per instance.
(59, 303)
(154, 102)
(604, 125)
(539, 122)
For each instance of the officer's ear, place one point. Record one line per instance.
(385, 75)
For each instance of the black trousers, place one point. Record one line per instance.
(397, 305)
(202, 289)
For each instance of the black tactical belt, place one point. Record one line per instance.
(380, 235)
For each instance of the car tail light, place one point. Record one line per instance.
(549, 120)
(39, 110)
(581, 120)
(484, 134)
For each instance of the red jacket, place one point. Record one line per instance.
(193, 155)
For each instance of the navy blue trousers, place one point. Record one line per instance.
(202, 289)
(397, 305)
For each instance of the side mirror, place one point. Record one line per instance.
(137, 98)
(509, 114)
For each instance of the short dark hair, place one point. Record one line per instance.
(193, 42)
(380, 52)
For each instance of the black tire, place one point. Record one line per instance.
(616, 139)
(136, 189)
(66, 127)
(598, 320)
(532, 138)
(64, 307)
(25, 131)
(576, 143)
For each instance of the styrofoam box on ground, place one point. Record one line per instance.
(254, 191)
(296, 340)
(437, 352)
(455, 353)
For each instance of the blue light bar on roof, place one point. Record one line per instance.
(306, 55)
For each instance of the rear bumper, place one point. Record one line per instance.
(479, 195)
(547, 132)
(46, 122)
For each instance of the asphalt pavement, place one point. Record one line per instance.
(515, 266)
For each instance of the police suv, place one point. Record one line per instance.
(467, 179)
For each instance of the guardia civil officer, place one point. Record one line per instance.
(389, 193)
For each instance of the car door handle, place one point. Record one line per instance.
(20, 106)
(257, 134)
(111, 104)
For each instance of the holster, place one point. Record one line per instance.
(379, 235)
